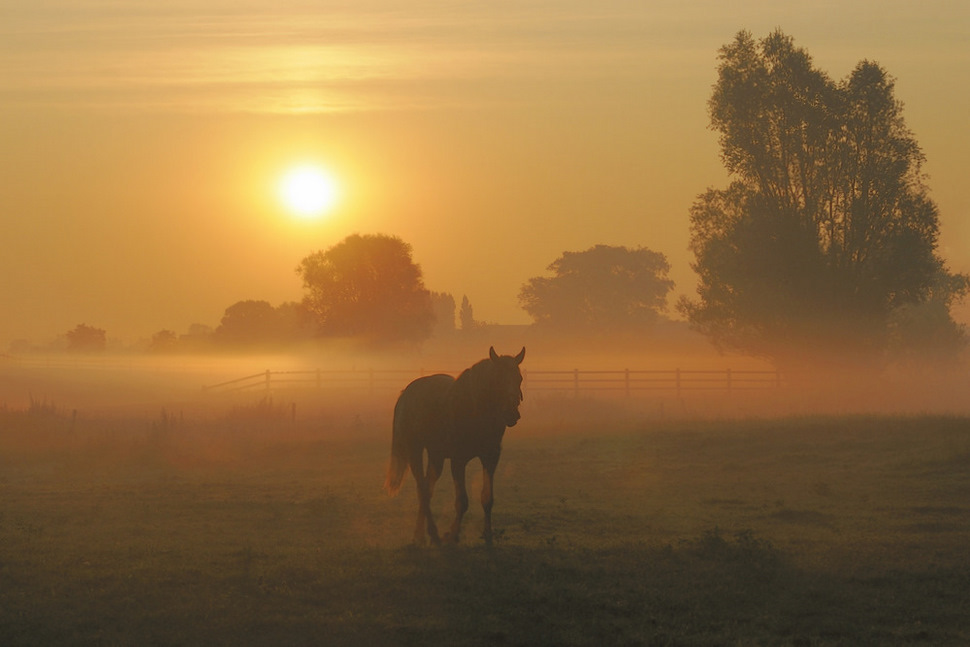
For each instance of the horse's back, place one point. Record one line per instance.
(426, 390)
(422, 408)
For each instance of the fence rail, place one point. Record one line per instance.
(632, 381)
(626, 381)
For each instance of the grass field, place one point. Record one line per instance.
(247, 527)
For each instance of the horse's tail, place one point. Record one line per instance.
(397, 469)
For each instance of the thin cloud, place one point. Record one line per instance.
(178, 58)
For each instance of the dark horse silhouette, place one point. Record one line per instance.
(458, 419)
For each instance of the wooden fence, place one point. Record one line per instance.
(626, 382)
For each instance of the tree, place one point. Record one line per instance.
(601, 289)
(443, 305)
(466, 315)
(294, 322)
(164, 341)
(247, 323)
(257, 323)
(925, 332)
(826, 228)
(86, 339)
(198, 337)
(367, 287)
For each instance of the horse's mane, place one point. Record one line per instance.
(472, 392)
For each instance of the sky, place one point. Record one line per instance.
(141, 143)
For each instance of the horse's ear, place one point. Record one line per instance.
(492, 353)
(520, 356)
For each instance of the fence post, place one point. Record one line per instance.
(728, 377)
(269, 377)
(576, 382)
(626, 381)
(677, 382)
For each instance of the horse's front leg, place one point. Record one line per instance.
(461, 498)
(489, 463)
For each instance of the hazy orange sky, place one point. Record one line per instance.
(141, 142)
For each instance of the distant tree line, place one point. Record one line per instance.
(824, 243)
(366, 288)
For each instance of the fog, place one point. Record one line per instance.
(330, 387)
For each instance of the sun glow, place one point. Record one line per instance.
(308, 191)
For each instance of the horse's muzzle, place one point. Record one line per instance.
(512, 417)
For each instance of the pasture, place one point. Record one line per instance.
(251, 525)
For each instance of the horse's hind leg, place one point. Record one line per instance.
(461, 499)
(425, 487)
(435, 464)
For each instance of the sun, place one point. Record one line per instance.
(308, 191)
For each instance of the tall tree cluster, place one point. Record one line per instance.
(604, 289)
(827, 230)
(368, 287)
(248, 324)
(86, 339)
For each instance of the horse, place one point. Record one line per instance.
(456, 419)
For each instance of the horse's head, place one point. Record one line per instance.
(507, 385)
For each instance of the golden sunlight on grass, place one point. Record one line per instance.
(308, 191)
